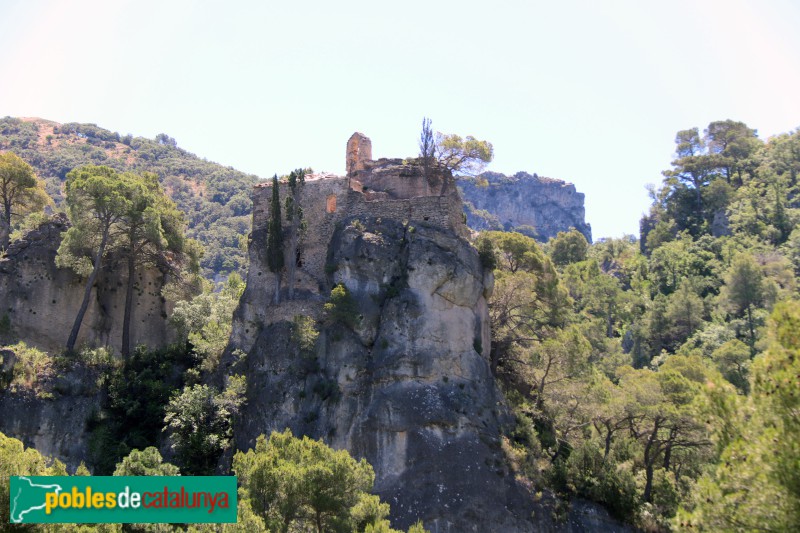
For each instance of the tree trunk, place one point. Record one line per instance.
(87, 293)
(5, 227)
(126, 320)
(648, 486)
(5, 234)
(697, 186)
(277, 298)
(608, 442)
(667, 456)
(292, 266)
(649, 459)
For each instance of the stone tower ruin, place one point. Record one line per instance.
(359, 150)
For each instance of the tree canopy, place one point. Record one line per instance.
(97, 200)
(468, 156)
(21, 192)
(302, 484)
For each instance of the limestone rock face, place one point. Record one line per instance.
(56, 423)
(508, 202)
(42, 300)
(407, 388)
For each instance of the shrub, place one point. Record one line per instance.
(304, 335)
(342, 308)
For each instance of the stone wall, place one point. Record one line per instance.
(319, 194)
(442, 212)
(314, 198)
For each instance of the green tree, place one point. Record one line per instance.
(528, 302)
(556, 361)
(486, 254)
(743, 292)
(294, 218)
(151, 227)
(755, 486)
(733, 362)
(205, 321)
(147, 462)
(275, 239)
(97, 200)
(603, 297)
(16, 460)
(684, 313)
(515, 251)
(21, 192)
(342, 308)
(133, 416)
(200, 421)
(301, 484)
(693, 165)
(568, 247)
(734, 144)
(662, 417)
(462, 156)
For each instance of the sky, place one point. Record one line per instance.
(591, 92)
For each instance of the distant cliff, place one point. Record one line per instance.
(537, 206)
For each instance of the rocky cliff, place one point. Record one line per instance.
(405, 384)
(406, 388)
(537, 206)
(53, 417)
(41, 300)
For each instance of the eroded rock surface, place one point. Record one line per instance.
(52, 416)
(407, 388)
(42, 300)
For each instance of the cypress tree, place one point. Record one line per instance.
(294, 216)
(275, 239)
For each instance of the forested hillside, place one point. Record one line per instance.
(660, 377)
(215, 199)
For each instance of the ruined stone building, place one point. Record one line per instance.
(386, 188)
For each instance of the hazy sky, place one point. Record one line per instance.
(589, 92)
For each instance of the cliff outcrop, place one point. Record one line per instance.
(405, 384)
(537, 206)
(42, 300)
(54, 416)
